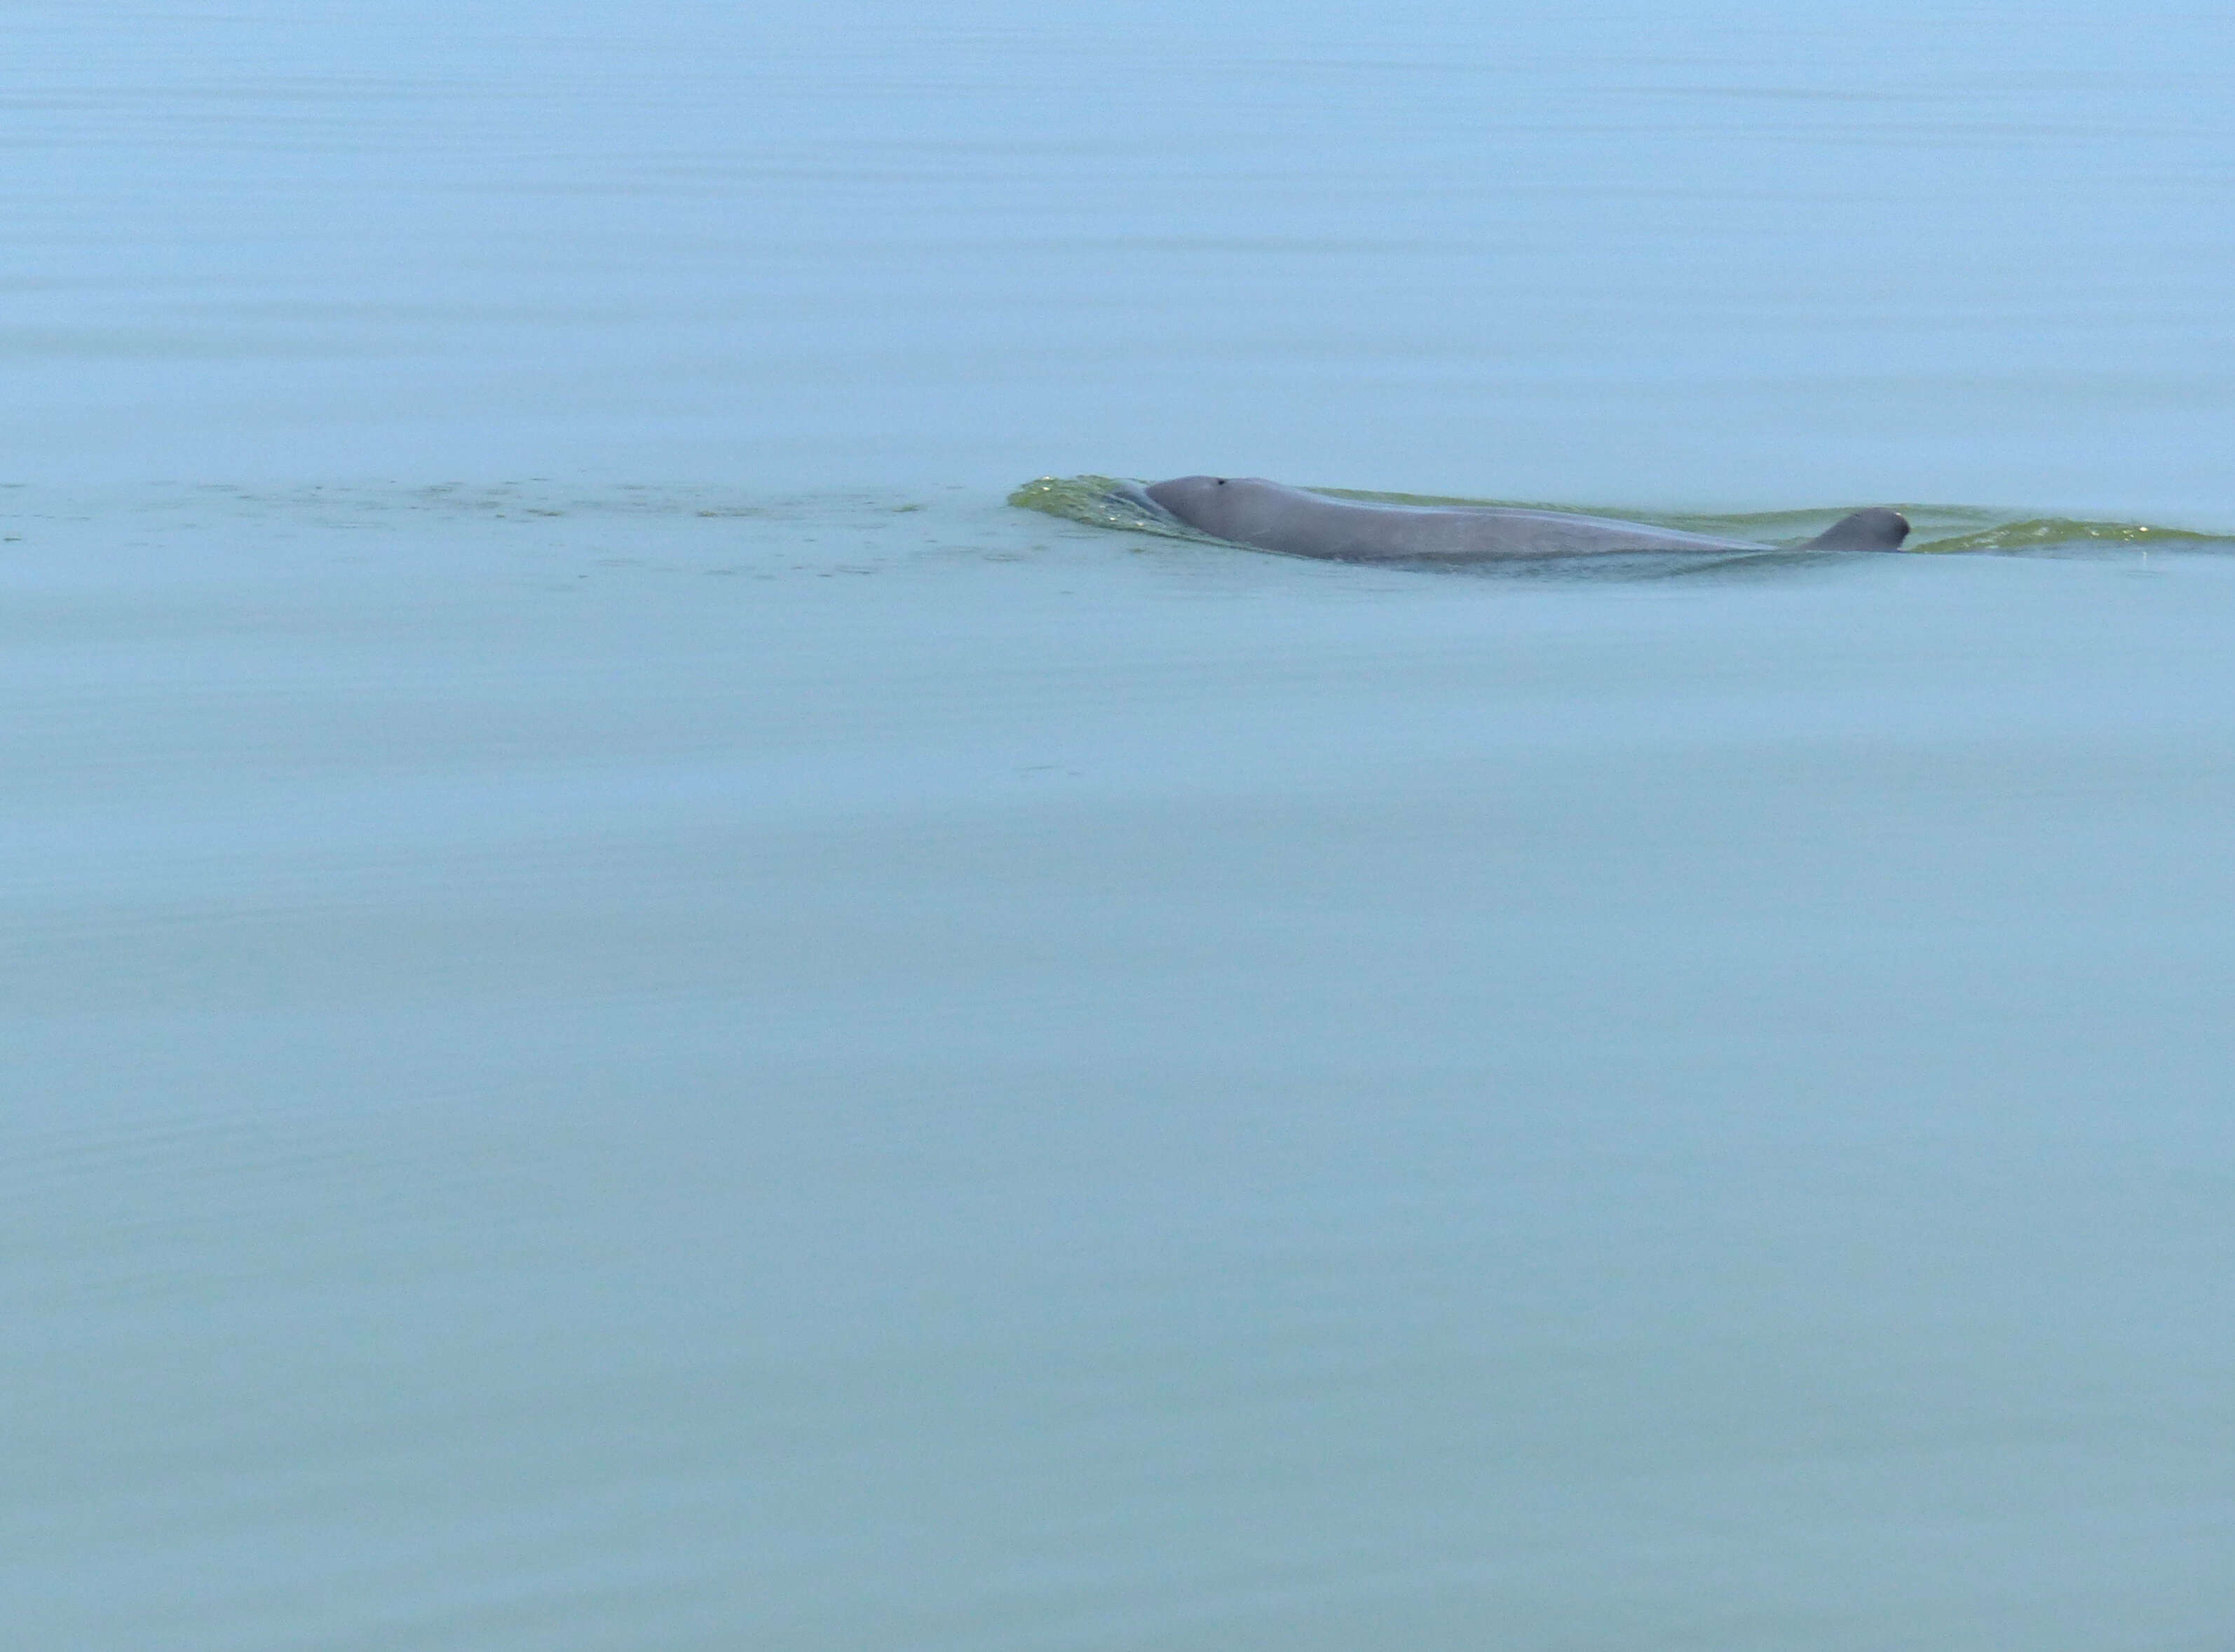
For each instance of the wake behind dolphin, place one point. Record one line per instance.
(1270, 516)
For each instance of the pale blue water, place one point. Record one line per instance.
(638, 1017)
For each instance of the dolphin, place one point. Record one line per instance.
(1268, 516)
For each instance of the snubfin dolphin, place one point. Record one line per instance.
(1271, 517)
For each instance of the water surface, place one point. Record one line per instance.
(640, 1017)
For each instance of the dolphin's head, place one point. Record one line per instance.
(1204, 502)
(1184, 495)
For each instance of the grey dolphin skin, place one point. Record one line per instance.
(1268, 516)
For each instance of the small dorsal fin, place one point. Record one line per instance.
(1876, 529)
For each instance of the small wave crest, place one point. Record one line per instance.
(1102, 502)
(2069, 534)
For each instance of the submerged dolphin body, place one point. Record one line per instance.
(1270, 517)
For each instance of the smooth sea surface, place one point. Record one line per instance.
(634, 1016)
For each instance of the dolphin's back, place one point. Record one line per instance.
(1272, 517)
(1316, 525)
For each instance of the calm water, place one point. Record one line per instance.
(638, 1017)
